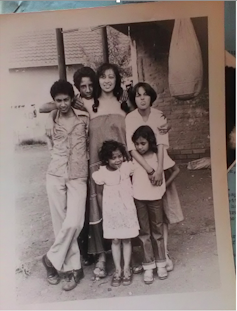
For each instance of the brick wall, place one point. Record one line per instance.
(189, 136)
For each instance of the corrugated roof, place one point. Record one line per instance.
(38, 48)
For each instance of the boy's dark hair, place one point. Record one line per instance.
(147, 133)
(148, 89)
(107, 149)
(84, 72)
(62, 87)
(117, 91)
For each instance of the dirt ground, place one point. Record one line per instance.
(192, 243)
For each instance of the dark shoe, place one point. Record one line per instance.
(52, 274)
(88, 260)
(127, 278)
(72, 279)
(116, 280)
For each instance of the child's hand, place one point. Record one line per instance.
(78, 103)
(49, 127)
(157, 178)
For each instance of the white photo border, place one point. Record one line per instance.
(10, 24)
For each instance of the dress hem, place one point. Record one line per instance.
(126, 234)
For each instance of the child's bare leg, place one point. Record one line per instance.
(127, 252)
(116, 252)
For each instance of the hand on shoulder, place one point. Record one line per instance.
(78, 103)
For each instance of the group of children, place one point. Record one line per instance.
(135, 181)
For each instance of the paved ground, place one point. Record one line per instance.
(192, 243)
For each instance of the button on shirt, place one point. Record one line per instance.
(70, 148)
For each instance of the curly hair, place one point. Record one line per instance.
(62, 87)
(85, 72)
(107, 149)
(147, 133)
(148, 89)
(117, 91)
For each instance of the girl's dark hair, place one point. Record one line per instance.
(62, 87)
(147, 133)
(148, 89)
(117, 91)
(107, 149)
(85, 72)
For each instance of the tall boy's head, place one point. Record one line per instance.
(85, 80)
(62, 93)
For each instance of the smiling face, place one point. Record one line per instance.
(86, 88)
(107, 81)
(142, 145)
(63, 103)
(116, 160)
(142, 99)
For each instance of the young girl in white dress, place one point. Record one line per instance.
(120, 222)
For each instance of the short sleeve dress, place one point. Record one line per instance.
(119, 211)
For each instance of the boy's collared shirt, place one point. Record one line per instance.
(70, 148)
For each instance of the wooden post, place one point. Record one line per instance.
(134, 60)
(61, 54)
(105, 45)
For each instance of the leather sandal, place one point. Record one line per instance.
(116, 280)
(127, 278)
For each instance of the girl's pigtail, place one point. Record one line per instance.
(96, 105)
(123, 100)
(124, 107)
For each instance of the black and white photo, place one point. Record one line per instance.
(115, 154)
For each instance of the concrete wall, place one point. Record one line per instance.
(189, 136)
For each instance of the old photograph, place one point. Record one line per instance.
(112, 160)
